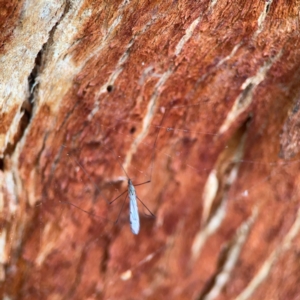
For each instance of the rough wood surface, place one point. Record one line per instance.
(84, 88)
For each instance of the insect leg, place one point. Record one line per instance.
(118, 197)
(121, 208)
(152, 214)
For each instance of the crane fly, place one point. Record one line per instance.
(134, 218)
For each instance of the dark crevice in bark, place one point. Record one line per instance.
(229, 161)
(26, 108)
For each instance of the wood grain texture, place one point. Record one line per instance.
(87, 84)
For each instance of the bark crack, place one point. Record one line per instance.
(215, 193)
(228, 259)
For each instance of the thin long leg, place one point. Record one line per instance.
(142, 183)
(85, 211)
(152, 214)
(117, 197)
(121, 208)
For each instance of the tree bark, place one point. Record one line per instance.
(199, 99)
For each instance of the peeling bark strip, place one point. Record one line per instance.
(98, 75)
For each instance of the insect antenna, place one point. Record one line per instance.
(153, 154)
(114, 153)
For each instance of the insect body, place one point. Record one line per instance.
(133, 209)
(134, 218)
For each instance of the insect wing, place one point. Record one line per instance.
(133, 210)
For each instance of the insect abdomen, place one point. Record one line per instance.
(133, 209)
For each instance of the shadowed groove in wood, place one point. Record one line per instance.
(219, 65)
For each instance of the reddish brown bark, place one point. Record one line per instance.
(225, 77)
